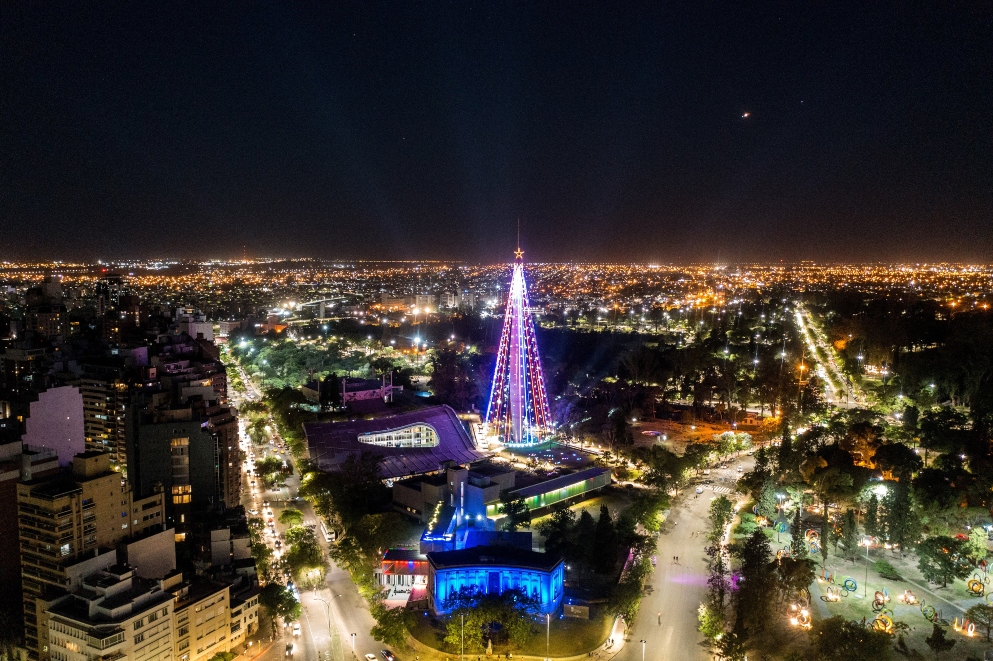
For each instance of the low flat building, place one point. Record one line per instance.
(401, 572)
(574, 486)
(494, 570)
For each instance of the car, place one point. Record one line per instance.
(740, 469)
(278, 543)
(296, 628)
(370, 657)
(289, 649)
(706, 471)
(253, 511)
(388, 655)
(699, 489)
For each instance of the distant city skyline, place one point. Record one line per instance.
(667, 133)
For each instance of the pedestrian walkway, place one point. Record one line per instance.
(723, 490)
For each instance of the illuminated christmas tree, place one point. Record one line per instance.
(518, 410)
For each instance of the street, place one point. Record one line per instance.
(667, 620)
(332, 614)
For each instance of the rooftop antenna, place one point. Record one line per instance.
(518, 253)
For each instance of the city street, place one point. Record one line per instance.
(838, 389)
(330, 615)
(667, 620)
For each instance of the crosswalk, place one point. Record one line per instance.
(723, 490)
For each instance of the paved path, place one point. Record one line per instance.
(667, 620)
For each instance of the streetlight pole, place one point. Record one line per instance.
(462, 652)
(548, 629)
(643, 641)
(353, 643)
(865, 584)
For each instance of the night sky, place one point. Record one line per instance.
(425, 130)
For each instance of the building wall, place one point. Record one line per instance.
(153, 556)
(105, 401)
(203, 627)
(56, 421)
(12, 470)
(57, 527)
(547, 587)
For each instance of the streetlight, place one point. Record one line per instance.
(643, 641)
(353, 643)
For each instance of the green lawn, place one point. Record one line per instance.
(568, 637)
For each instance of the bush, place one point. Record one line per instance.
(887, 571)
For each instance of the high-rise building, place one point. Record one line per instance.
(192, 455)
(65, 517)
(106, 396)
(17, 462)
(518, 413)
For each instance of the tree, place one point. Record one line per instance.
(392, 624)
(279, 601)
(981, 615)
(604, 543)
(850, 535)
(558, 531)
(766, 505)
(721, 513)
(938, 642)
(757, 582)
(516, 511)
(452, 379)
(798, 542)
(719, 581)
(941, 559)
(731, 647)
(793, 575)
(899, 520)
(872, 516)
(270, 470)
(291, 517)
(838, 639)
(711, 621)
(897, 459)
(975, 548)
(943, 429)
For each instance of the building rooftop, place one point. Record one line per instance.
(403, 555)
(558, 483)
(332, 443)
(52, 488)
(496, 556)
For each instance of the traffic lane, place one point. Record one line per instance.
(352, 614)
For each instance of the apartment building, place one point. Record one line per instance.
(114, 615)
(202, 610)
(66, 517)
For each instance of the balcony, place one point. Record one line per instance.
(106, 641)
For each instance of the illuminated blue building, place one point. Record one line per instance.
(493, 570)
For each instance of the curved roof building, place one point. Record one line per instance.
(407, 444)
